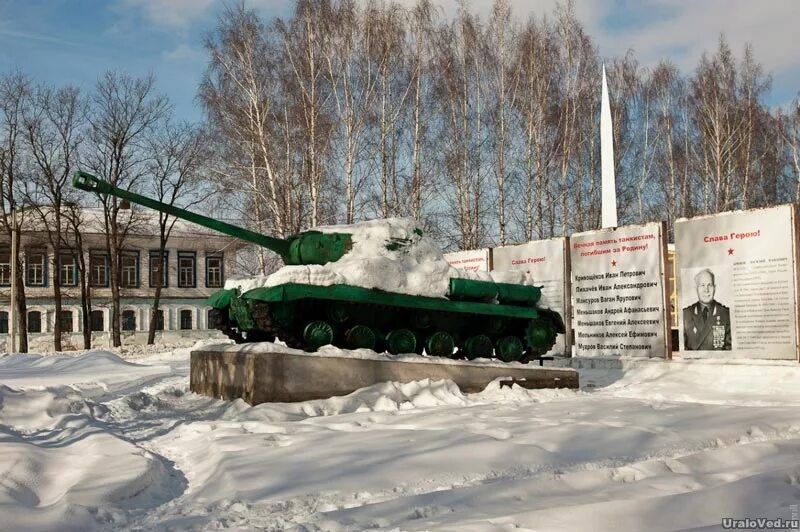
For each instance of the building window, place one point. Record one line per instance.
(68, 269)
(186, 320)
(159, 266)
(129, 269)
(214, 273)
(160, 320)
(98, 269)
(36, 268)
(3, 322)
(66, 321)
(98, 321)
(128, 320)
(5, 267)
(34, 321)
(187, 262)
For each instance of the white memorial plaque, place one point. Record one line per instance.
(736, 284)
(471, 260)
(545, 261)
(618, 297)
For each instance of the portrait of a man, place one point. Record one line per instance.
(707, 322)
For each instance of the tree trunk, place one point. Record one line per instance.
(151, 332)
(57, 296)
(22, 307)
(86, 299)
(113, 256)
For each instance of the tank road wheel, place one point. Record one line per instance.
(401, 341)
(318, 333)
(540, 336)
(479, 346)
(509, 349)
(359, 337)
(440, 344)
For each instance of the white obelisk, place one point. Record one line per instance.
(609, 183)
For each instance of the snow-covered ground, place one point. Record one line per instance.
(97, 441)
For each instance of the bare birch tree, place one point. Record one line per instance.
(15, 99)
(535, 58)
(238, 94)
(790, 133)
(353, 84)
(421, 21)
(123, 112)
(54, 133)
(304, 38)
(177, 157)
(504, 85)
(461, 139)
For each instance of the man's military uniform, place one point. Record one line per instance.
(707, 328)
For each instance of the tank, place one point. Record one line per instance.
(381, 285)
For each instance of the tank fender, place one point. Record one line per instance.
(221, 299)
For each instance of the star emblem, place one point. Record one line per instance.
(613, 263)
(730, 251)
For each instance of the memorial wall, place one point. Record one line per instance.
(736, 275)
(737, 282)
(546, 261)
(618, 292)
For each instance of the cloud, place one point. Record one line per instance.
(678, 30)
(693, 27)
(170, 13)
(586, 10)
(183, 52)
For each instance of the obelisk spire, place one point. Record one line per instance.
(609, 184)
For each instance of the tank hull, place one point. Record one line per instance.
(309, 316)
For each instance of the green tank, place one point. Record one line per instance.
(474, 318)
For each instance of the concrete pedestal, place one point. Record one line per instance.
(260, 373)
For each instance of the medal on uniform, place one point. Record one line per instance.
(718, 336)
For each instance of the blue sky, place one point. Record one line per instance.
(74, 41)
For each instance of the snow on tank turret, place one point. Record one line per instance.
(380, 284)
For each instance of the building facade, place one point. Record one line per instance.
(195, 265)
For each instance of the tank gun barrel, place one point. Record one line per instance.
(90, 183)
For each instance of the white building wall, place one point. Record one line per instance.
(139, 299)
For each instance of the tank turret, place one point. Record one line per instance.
(379, 285)
(309, 247)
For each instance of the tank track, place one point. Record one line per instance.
(265, 323)
(293, 337)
